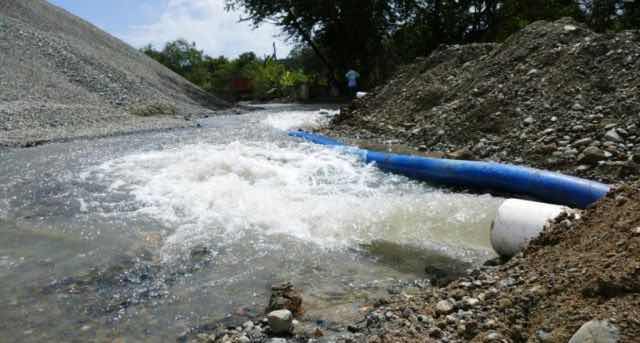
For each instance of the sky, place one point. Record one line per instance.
(204, 22)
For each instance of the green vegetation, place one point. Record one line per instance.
(247, 76)
(370, 36)
(374, 36)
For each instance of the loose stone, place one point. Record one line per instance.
(596, 331)
(280, 321)
(444, 307)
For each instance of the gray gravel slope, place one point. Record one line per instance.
(61, 77)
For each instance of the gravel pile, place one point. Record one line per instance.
(61, 77)
(555, 96)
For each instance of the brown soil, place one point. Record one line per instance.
(592, 270)
(578, 270)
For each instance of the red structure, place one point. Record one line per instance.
(241, 85)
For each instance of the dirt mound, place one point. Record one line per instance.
(579, 270)
(62, 77)
(555, 95)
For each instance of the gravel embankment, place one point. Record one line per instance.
(555, 96)
(61, 78)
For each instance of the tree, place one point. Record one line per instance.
(269, 77)
(631, 14)
(182, 56)
(374, 36)
(342, 33)
(517, 14)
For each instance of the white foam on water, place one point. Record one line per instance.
(4, 208)
(287, 120)
(229, 191)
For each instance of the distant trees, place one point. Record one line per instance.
(612, 14)
(342, 33)
(631, 14)
(375, 35)
(265, 77)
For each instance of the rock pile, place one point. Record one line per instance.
(62, 77)
(555, 96)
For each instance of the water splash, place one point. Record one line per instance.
(231, 191)
(307, 120)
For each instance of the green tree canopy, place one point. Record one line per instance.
(374, 35)
(268, 78)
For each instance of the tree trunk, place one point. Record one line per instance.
(307, 38)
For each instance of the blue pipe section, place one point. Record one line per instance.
(540, 184)
(314, 138)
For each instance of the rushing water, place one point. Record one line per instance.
(146, 236)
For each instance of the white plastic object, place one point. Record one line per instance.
(519, 221)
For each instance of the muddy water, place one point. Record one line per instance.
(144, 237)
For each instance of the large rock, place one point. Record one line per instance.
(596, 331)
(613, 135)
(592, 155)
(280, 321)
(285, 297)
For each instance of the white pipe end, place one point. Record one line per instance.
(518, 222)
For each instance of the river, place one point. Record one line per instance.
(142, 237)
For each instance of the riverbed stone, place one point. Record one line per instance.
(470, 302)
(285, 297)
(248, 325)
(544, 336)
(427, 320)
(592, 155)
(596, 331)
(577, 107)
(277, 340)
(613, 135)
(280, 321)
(444, 307)
(582, 142)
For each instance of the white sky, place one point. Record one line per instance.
(214, 30)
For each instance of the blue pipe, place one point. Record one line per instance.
(540, 184)
(314, 138)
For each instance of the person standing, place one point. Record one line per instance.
(352, 82)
